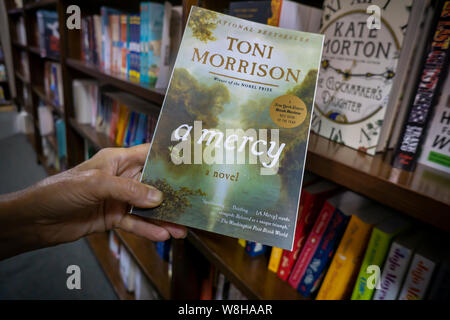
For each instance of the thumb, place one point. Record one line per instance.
(127, 190)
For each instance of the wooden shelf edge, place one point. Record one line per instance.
(36, 51)
(97, 139)
(15, 11)
(157, 273)
(40, 4)
(110, 265)
(22, 78)
(240, 279)
(154, 95)
(40, 92)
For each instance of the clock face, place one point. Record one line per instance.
(358, 70)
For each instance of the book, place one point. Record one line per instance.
(127, 268)
(375, 255)
(48, 28)
(277, 253)
(361, 65)
(323, 240)
(242, 184)
(254, 249)
(428, 88)
(440, 286)
(53, 86)
(420, 272)
(397, 263)
(84, 100)
(311, 203)
(114, 244)
(163, 249)
(143, 289)
(162, 74)
(340, 277)
(282, 13)
(435, 151)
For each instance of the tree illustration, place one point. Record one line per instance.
(175, 201)
(202, 24)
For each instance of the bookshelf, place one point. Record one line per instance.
(423, 195)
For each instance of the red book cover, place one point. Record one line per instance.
(311, 202)
(123, 43)
(311, 244)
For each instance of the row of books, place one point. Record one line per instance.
(215, 286)
(124, 126)
(376, 100)
(141, 46)
(361, 250)
(132, 276)
(52, 130)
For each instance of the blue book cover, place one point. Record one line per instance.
(126, 142)
(256, 11)
(154, 40)
(255, 249)
(143, 42)
(61, 138)
(106, 36)
(163, 249)
(140, 130)
(320, 260)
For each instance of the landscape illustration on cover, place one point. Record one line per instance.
(229, 147)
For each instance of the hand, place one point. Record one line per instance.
(92, 197)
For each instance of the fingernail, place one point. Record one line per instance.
(154, 195)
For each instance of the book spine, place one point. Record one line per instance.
(275, 258)
(242, 243)
(393, 272)
(346, 261)
(255, 249)
(428, 88)
(311, 245)
(375, 256)
(319, 262)
(289, 257)
(418, 278)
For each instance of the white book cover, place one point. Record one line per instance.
(393, 272)
(436, 148)
(127, 270)
(418, 278)
(82, 100)
(359, 65)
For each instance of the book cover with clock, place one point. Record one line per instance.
(367, 50)
(230, 144)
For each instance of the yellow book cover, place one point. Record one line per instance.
(242, 242)
(338, 282)
(122, 124)
(275, 258)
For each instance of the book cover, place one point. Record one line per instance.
(376, 252)
(277, 255)
(435, 151)
(154, 42)
(428, 89)
(341, 275)
(419, 276)
(397, 263)
(313, 275)
(312, 199)
(312, 242)
(358, 70)
(106, 30)
(229, 148)
(254, 249)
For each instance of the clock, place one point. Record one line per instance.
(358, 70)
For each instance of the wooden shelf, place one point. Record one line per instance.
(99, 243)
(249, 274)
(99, 140)
(22, 78)
(423, 194)
(37, 51)
(154, 95)
(40, 4)
(15, 11)
(19, 45)
(144, 253)
(40, 92)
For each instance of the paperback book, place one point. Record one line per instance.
(229, 147)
